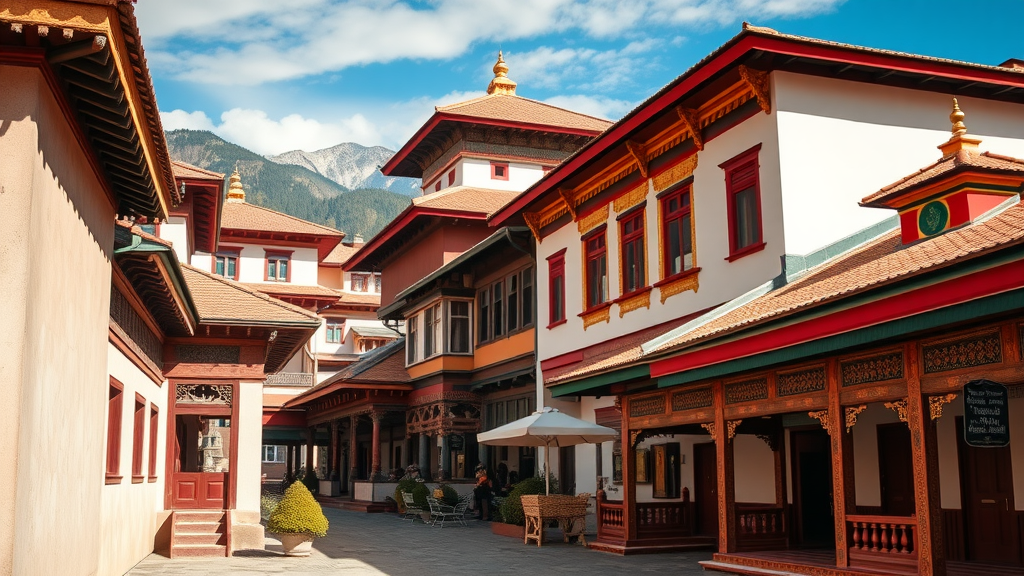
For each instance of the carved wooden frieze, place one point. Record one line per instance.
(647, 406)
(203, 394)
(691, 399)
(630, 199)
(677, 173)
(592, 220)
(642, 300)
(872, 369)
(801, 382)
(936, 403)
(198, 354)
(976, 350)
(746, 391)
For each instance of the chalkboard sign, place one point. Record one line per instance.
(986, 414)
(458, 441)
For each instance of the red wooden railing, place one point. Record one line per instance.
(881, 541)
(761, 527)
(654, 520)
(610, 519)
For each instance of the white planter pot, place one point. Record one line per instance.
(296, 544)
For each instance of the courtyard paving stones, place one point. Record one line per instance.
(360, 544)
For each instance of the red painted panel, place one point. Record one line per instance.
(988, 282)
(284, 418)
(908, 226)
(563, 360)
(186, 490)
(978, 204)
(958, 212)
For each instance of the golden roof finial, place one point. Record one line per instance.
(956, 117)
(501, 84)
(235, 191)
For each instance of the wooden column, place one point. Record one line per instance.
(780, 467)
(725, 475)
(843, 493)
(353, 454)
(628, 475)
(375, 448)
(310, 438)
(332, 449)
(297, 458)
(288, 461)
(424, 455)
(446, 458)
(925, 455)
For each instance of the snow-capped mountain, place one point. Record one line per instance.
(352, 165)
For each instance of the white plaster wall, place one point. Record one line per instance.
(949, 463)
(252, 264)
(841, 141)
(754, 470)
(202, 260)
(477, 172)
(720, 280)
(866, 473)
(250, 442)
(586, 454)
(53, 345)
(129, 510)
(175, 231)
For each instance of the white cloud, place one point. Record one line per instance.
(600, 106)
(581, 68)
(182, 120)
(250, 42)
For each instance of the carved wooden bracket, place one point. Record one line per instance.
(639, 154)
(758, 82)
(851, 416)
(568, 197)
(710, 427)
(533, 223)
(822, 416)
(691, 118)
(772, 440)
(900, 407)
(935, 404)
(634, 437)
(730, 427)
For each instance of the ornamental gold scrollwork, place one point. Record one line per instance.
(710, 427)
(899, 407)
(592, 220)
(533, 223)
(851, 416)
(822, 417)
(730, 427)
(759, 85)
(639, 153)
(569, 198)
(691, 119)
(935, 404)
(634, 437)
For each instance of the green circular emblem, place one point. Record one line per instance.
(933, 218)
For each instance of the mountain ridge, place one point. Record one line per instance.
(351, 165)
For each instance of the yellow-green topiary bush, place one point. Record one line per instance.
(298, 513)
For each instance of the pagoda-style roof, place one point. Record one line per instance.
(184, 171)
(499, 108)
(960, 162)
(202, 203)
(382, 368)
(302, 295)
(244, 222)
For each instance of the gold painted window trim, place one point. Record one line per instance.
(635, 302)
(602, 314)
(685, 281)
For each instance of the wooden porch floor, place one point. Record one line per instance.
(823, 563)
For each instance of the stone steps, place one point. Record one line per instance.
(199, 533)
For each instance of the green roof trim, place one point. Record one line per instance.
(1000, 303)
(624, 375)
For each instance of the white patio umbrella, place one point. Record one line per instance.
(547, 427)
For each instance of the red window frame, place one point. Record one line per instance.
(556, 298)
(495, 166)
(365, 278)
(114, 405)
(742, 173)
(682, 212)
(451, 177)
(138, 434)
(595, 247)
(226, 252)
(277, 255)
(633, 241)
(154, 426)
(437, 186)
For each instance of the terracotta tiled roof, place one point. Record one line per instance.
(286, 289)
(384, 365)
(466, 199)
(245, 216)
(183, 170)
(961, 160)
(367, 299)
(610, 354)
(511, 108)
(219, 299)
(879, 262)
(340, 254)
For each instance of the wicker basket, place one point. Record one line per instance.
(555, 506)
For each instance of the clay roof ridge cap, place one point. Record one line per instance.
(238, 286)
(333, 231)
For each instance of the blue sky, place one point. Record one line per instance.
(322, 72)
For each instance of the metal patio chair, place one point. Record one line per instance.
(413, 511)
(441, 512)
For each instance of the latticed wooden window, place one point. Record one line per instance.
(631, 236)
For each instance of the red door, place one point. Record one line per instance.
(987, 493)
(200, 475)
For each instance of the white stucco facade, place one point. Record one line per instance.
(477, 173)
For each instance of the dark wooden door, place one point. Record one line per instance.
(896, 469)
(812, 488)
(705, 488)
(987, 494)
(567, 470)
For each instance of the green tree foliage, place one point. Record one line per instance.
(293, 190)
(298, 513)
(418, 490)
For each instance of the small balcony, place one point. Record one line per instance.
(295, 379)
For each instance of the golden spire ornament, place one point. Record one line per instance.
(235, 191)
(956, 117)
(501, 84)
(960, 141)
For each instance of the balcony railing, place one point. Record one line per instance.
(760, 527)
(297, 379)
(888, 542)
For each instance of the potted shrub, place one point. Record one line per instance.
(512, 519)
(297, 520)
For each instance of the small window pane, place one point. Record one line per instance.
(527, 296)
(497, 309)
(513, 302)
